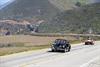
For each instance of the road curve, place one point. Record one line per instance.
(77, 57)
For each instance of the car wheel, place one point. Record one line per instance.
(69, 48)
(65, 50)
(53, 50)
(92, 44)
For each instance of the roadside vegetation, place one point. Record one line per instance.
(12, 48)
(78, 20)
(22, 43)
(7, 49)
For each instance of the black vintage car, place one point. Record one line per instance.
(61, 45)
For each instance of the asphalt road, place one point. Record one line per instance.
(79, 56)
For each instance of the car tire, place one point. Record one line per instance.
(92, 44)
(65, 50)
(52, 50)
(68, 50)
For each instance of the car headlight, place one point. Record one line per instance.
(52, 45)
(63, 46)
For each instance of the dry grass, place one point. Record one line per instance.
(30, 40)
(25, 42)
(11, 50)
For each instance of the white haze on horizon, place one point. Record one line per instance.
(4, 3)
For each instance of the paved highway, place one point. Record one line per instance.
(79, 56)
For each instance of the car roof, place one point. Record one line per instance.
(62, 39)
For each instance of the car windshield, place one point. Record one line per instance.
(60, 42)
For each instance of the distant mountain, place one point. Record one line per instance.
(44, 9)
(78, 20)
(20, 9)
(57, 15)
(32, 11)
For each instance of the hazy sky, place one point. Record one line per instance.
(4, 3)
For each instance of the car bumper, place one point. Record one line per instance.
(58, 49)
(89, 43)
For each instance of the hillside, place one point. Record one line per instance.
(63, 15)
(20, 9)
(44, 9)
(68, 4)
(75, 21)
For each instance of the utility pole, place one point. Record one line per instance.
(90, 31)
